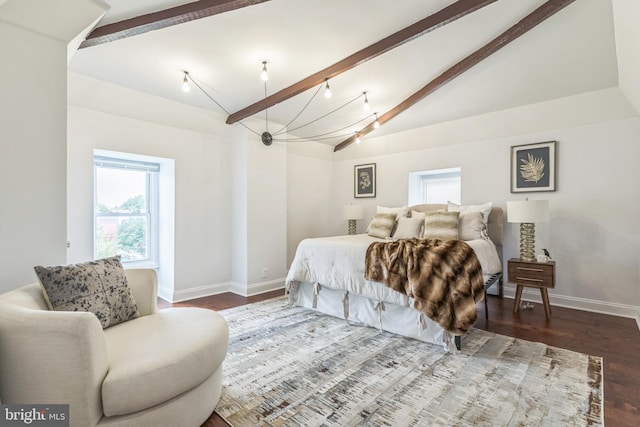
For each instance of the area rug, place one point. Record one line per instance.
(290, 366)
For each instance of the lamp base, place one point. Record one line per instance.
(352, 226)
(527, 242)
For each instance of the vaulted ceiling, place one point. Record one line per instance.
(571, 52)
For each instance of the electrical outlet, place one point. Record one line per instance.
(265, 273)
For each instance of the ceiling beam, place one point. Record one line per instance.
(539, 15)
(163, 19)
(442, 17)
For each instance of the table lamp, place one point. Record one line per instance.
(352, 213)
(527, 213)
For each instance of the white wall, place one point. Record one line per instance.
(260, 213)
(594, 234)
(310, 204)
(230, 190)
(33, 81)
(266, 215)
(626, 14)
(202, 262)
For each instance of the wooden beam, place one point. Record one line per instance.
(163, 19)
(444, 16)
(539, 15)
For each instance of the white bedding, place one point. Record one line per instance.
(338, 262)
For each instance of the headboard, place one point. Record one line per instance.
(495, 225)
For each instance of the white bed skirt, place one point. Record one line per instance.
(390, 317)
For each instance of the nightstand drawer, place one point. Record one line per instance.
(532, 273)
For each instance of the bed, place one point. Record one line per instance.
(328, 275)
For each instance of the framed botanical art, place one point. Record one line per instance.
(364, 181)
(533, 167)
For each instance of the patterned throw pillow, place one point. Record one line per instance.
(99, 287)
(441, 225)
(381, 225)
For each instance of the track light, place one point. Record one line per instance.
(366, 101)
(185, 82)
(264, 75)
(376, 124)
(357, 138)
(327, 89)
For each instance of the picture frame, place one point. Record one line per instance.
(364, 180)
(533, 167)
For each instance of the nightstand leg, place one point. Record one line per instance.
(516, 304)
(545, 300)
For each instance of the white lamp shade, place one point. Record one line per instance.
(353, 212)
(528, 211)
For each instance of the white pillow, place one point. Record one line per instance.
(418, 214)
(441, 225)
(400, 211)
(485, 209)
(470, 226)
(381, 225)
(408, 228)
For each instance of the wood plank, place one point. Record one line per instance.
(539, 15)
(163, 19)
(444, 16)
(615, 339)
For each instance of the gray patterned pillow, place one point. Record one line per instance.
(99, 287)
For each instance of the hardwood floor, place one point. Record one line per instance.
(616, 339)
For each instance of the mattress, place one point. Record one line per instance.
(338, 262)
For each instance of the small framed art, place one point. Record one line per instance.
(533, 167)
(364, 181)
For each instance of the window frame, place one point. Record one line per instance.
(151, 212)
(418, 182)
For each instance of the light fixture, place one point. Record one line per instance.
(366, 102)
(185, 82)
(267, 136)
(352, 213)
(327, 89)
(264, 75)
(527, 213)
(376, 124)
(357, 138)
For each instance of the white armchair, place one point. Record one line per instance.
(163, 368)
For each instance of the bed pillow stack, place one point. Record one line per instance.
(464, 222)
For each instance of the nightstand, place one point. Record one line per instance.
(541, 275)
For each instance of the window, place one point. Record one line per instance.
(126, 210)
(436, 186)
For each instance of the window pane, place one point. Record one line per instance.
(122, 225)
(124, 235)
(121, 190)
(441, 190)
(434, 186)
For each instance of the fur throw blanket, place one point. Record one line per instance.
(444, 278)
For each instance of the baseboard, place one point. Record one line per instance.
(257, 288)
(218, 288)
(614, 309)
(199, 292)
